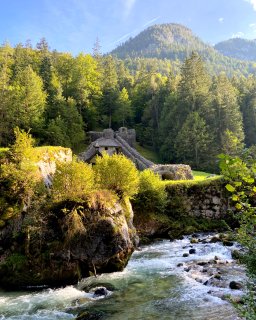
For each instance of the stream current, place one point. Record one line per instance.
(152, 286)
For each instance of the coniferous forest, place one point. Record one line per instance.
(186, 114)
(63, 221)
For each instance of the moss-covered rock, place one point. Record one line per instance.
(54, 255)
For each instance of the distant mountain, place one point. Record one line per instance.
(162, 41)
(176, 42)
(238, 48)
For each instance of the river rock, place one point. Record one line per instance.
(192, 251)
(228, 243)
(185, 255)
(100, 291)
(215, 239)
(235, 285)
(86, 315)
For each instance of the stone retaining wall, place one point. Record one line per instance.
(207, 199)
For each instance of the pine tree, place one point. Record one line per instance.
(110, 90)
(28, 99)
(227, 115)
(194, 85)
(192, 140)
(123, 112)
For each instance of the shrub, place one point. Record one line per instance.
(117, 173)
(19, 175)
(152, 195)
(72, 181)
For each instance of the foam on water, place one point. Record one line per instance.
(152, 283)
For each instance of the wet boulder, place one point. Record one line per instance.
(235, 285)
(99, 292)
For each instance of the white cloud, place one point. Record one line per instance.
(221, 20)
(238, 35)
(253, 3)
(128, 6)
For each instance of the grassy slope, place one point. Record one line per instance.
(147, 153)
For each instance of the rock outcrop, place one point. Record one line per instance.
(55, 252)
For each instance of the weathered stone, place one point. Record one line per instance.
(192, 251)
(173, 171)
(216, 200)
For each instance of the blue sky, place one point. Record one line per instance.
(73, 25)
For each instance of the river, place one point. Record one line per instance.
(152, 286)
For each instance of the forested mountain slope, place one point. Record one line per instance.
(176, 42)
(238, 48)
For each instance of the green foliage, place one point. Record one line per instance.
(168, 102)
(19, 176)
(151, 196)
(117, 173)
(240, 173)
(16, 261)
(192, 140)
(22, 149)
(72, 181)
(28, 99)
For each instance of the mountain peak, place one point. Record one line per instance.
(159, 41)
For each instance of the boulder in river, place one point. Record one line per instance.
(192, 251)
(228, 243)
(99, 292)
(235, 285)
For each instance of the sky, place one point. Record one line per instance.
(74, 25)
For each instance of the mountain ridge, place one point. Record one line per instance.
(174, 42)
(238, 48)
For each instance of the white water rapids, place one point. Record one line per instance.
(150, 287)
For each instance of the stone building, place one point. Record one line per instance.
(123, 141)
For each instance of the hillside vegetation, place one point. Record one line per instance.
(182, 115)
(171, 43)
(238, 48)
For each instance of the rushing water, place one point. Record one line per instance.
(151, 287)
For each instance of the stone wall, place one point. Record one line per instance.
(173, 171)
(207, 199)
